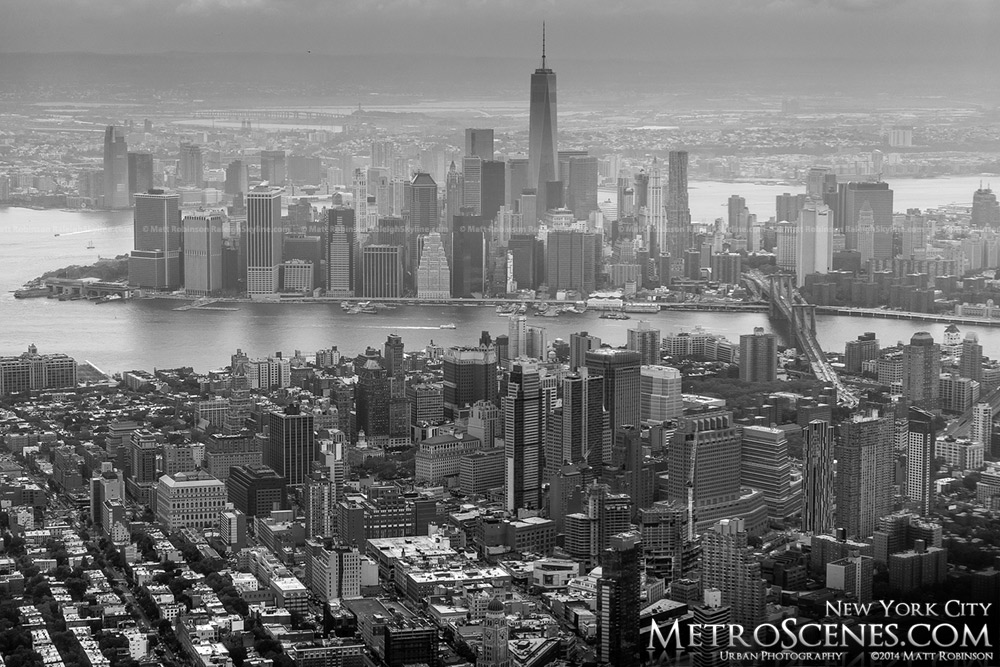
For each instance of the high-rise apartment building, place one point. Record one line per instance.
(920, 460)
(864, 478)
(620, 370)
(263, 240)
(982, 425)
(817, 478)
(856, 352)
(543, 165)
(758, 356)
(116, 193)
(921, 371)
(727, 564)
(523, 435)
(971, 365)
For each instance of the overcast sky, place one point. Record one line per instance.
(947, 31)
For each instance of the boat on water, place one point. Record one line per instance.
(551, 312)
(109, 298)
(90, 245)
(614, 315)
(31, 292)
(447, 326)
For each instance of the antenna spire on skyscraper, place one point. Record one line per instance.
(543, 44)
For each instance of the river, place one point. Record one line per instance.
(150, 334)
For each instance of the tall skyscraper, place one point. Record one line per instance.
(523, 417)
(851, 199)
(652, 209)
(678, 211)
(191, 166)
(496, 631)
(645, 340)
(985, 209)
(237, 177)
(479, 142)
(920, 460)
(620, 370)
(580, 432)
(140, 174)
(618, 605)
(203, 253)
(703, 459)
(273, 169)
(764, 465)
(581, 185)
(492, 189)
(472, 187)
(817, 478)
(263, 240)
(758, 356)
(814, 236)
(543, 165)
(342, 252)
(433, 274)
(864, 474)
(470, 375)
(668, 549)
(727, 564)
(290, 448)
(659, 393)
(422, 203)
(381, 272)
(579, 345)
(921, 371)
(468, 256)
(735, 207)
(571, 261)
(155, 261)
(116, 193)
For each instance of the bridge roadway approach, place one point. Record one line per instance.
(786, 303)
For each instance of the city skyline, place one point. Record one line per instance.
(374, 372)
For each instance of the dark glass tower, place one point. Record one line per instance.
(543, 165)
(618, 604)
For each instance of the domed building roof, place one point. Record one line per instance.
(495, 605)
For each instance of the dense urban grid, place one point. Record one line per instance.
(515, 501)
